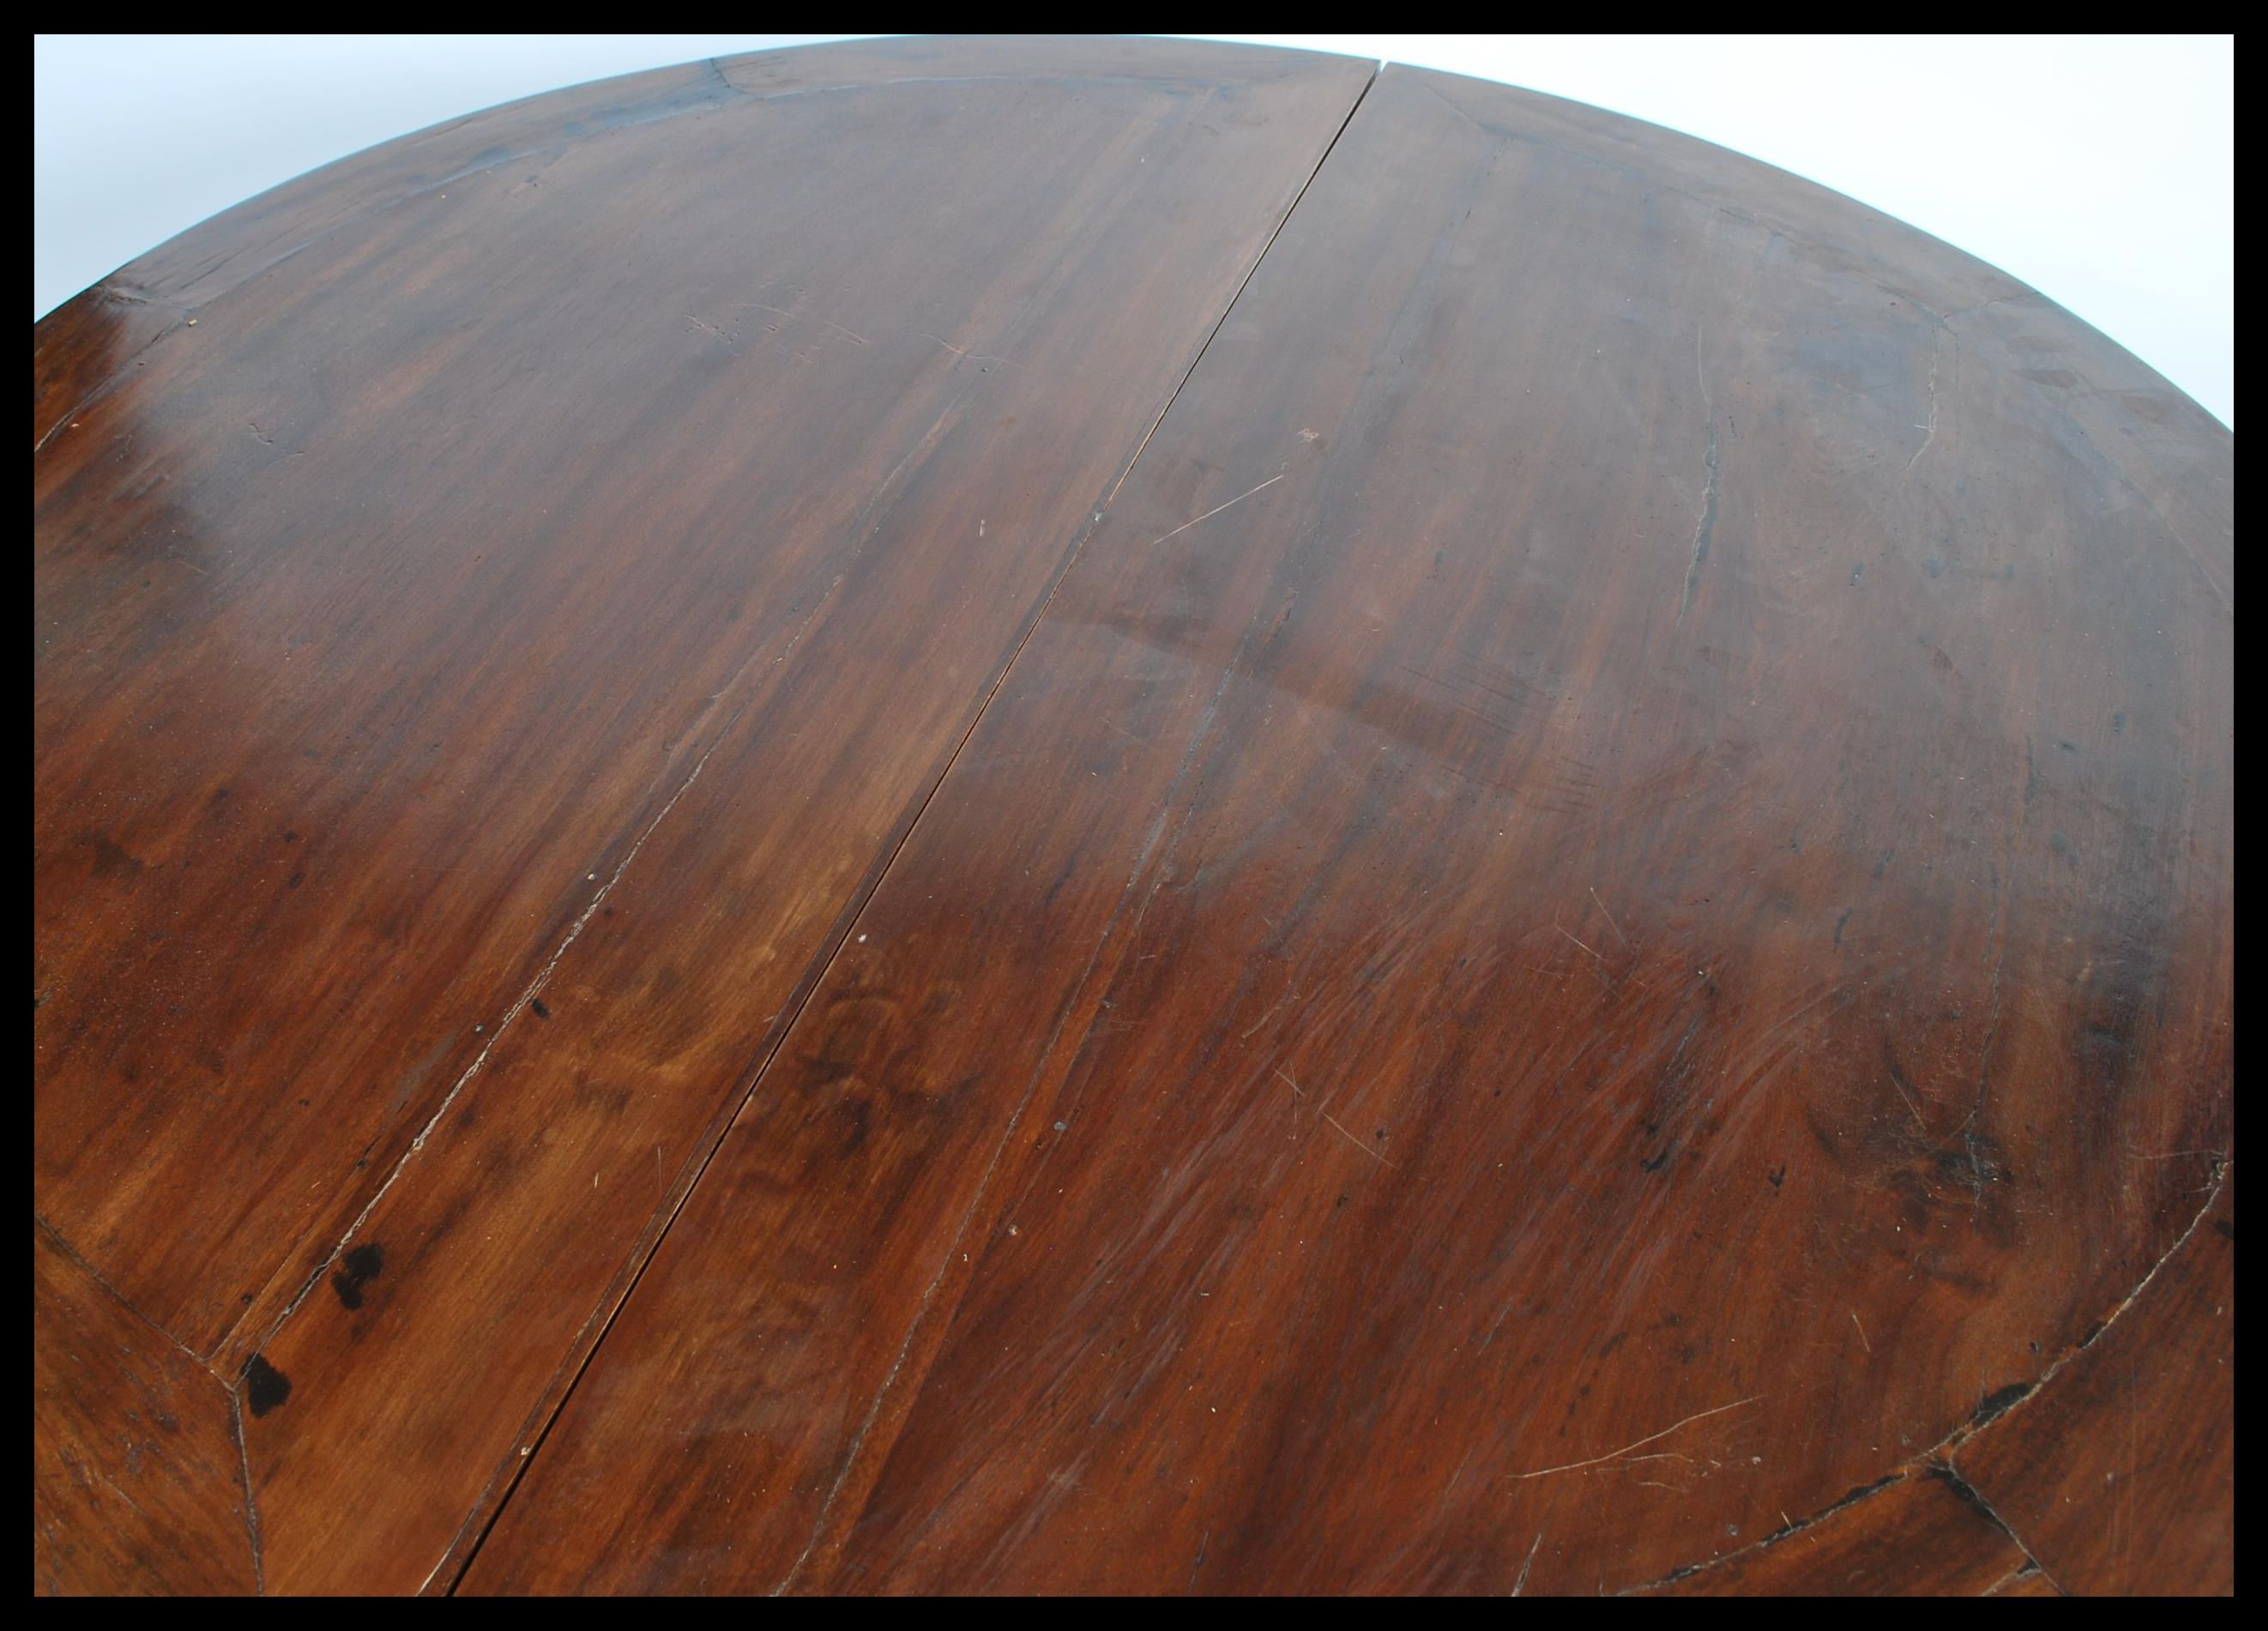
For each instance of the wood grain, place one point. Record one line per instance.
(1923, 1536)
(137, 1483)
(374, 636)
(2121, 1473)
(88, 349)
(1588, 917)
(580, 667)
(707, 917)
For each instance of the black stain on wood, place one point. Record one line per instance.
(265, 1387)
(357, 1270)
(2000, 1402)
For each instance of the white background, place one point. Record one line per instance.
(2100, 170)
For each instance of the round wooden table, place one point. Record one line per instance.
(1120, 817)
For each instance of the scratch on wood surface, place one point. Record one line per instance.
(1563, 931)
(714, 334)
(1909, 1098)
(1651, 1438)
(1929, 427)
(964, 354)
(1520, 1584)
(1272, 1008)
(1217, 509)
(1351, 1139)
(1703, 530)
(1611, 924)
(758, 305)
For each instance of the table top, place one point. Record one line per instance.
(1098, 815)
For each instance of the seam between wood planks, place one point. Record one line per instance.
(459, 1557)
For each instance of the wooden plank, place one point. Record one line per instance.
(486, 660)
(381, 613)
(1920, 1536)
(2120, 1473)
(137, 1482)
(1584, 919)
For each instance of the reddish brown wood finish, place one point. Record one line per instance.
(1501, 1087)
(2121, 1473)
(707, 513)
(1590, 926)
(1923, 1535)
(137, 1477)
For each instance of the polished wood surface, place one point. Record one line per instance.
(709, 918)
(1920, 1535)
(137, 1465)
(2122, 1478)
